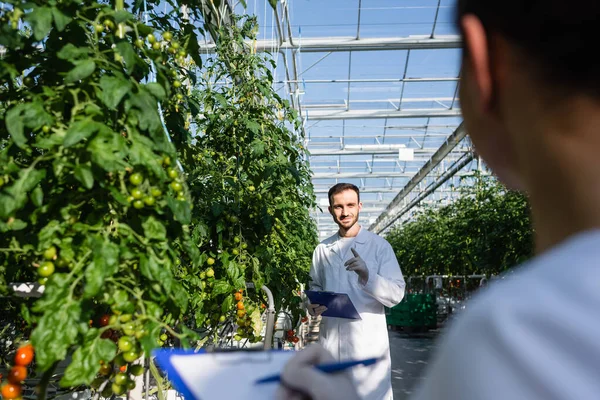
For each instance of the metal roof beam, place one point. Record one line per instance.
(331, 44)
(323, 115)
(359, 175)
(320, 153)
(459, 134)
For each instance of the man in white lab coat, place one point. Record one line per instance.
(363, 265)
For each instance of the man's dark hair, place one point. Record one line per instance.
(560, 36)
(340, 187)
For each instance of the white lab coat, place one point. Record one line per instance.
(355, 339)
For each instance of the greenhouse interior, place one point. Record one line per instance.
(165, 169)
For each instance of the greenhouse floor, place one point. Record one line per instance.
(410, 355)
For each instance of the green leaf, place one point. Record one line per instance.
(257, 147)
(140, 153)
(148, 341)
(60, 19)
(227, 304)
(105, 264)
(181, 210)
(157, 90)
(273, 4)
(157, 272)
(80, 130)
(221, 287)
(122, 16)
(41, 20)
(37, 196)
(83, 173)
(49, 232)
(108, 150)
(56, 332)
(15, 196)
(154, 229)
(85, 363)
(15, 126)
(82, 70)
(126, 50)
(71, 52)
(113, 90)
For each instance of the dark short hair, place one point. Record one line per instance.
(560, 36)
(340, 187)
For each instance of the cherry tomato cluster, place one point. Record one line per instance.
(291, 336)
(18, 373)
(126, 335)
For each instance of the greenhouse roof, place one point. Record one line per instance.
(376, 83)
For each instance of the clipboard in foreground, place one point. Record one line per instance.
(222, 375)
(338, 305)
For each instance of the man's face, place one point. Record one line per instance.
(345, 208)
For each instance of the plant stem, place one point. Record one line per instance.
(43, 386)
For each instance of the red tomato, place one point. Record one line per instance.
(24, 355)
(17, 374)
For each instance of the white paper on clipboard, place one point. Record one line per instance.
(227, 375)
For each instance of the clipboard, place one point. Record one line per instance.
(218, 375)
(338, 305)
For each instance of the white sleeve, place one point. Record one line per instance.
(387, 285)
(493, 353)
(315, 273)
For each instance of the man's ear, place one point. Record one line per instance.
(477, 59)
(359, 206)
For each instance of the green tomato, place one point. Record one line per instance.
(236, 239)
(156, 46)
(141, 332)
(176, 84)
(136, 370)
(167, 36)
(121, 379)
(149, 200)
(45, 129)
(42, 281)
(244, 246)
(119, 360)
(129, 329)
(137, 193)
(166, 160)
(181, 196)
(151, 38)
(237, 338)
(118, 389)
(160, 343)
(138, 204)
(164, 337)
(125, 344)
(130, 384)
(99, 28)
(176, 186)
(109, 24)
(235, 252)
(210, 261)
(130, 199)
(50, 253)
(251, 188)
(155, 192)
(139, 43)
(130, 356)
(210, 273)
(125, 317)
(172, 172)
(46, 269)
(222, 319)
(136, 179)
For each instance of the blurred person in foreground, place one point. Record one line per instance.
(530, 95)
(363, 265)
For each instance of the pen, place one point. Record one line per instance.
(327, 368)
